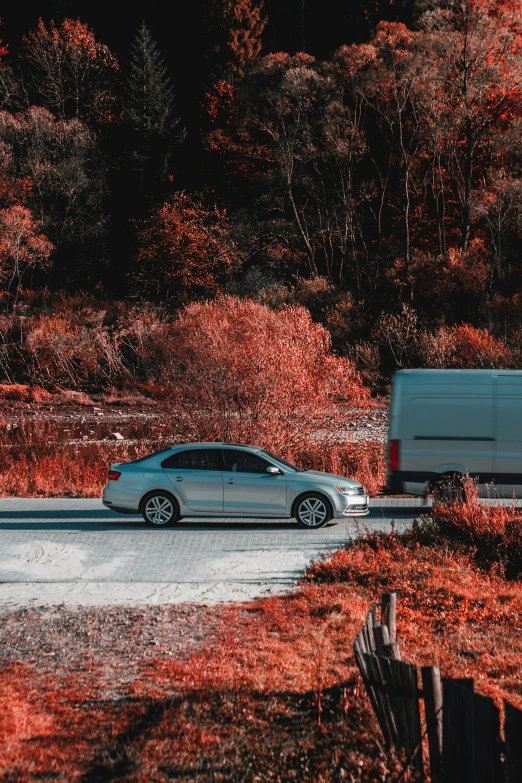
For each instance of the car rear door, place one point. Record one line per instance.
(248, 489)
(197, 477)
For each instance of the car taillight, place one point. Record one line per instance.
(393, 455)
(114, 475)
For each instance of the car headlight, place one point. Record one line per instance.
(347, 490)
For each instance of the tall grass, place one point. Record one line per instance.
(36, 461)
(491, 534)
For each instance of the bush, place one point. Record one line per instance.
(185, 250)
(244, 372)
(463, 347)
(492, 534)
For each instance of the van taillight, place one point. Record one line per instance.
(393, 455)
(114, 475)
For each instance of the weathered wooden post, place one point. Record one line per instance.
(385, 649)
(432, 687)
(513, 732)
(389, 614)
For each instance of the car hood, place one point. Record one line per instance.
(329, 478)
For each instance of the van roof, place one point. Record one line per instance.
(458, 372)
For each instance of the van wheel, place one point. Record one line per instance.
(159, 509)
(449, 488)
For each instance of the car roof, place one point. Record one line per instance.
(215, 443)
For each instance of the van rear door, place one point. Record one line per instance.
(446, 425)
(508, 467)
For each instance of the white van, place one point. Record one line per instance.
(447, 422)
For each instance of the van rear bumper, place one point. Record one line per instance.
(408, 482)
(394, 482)
(414, 482)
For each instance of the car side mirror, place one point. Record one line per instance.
(273, 470)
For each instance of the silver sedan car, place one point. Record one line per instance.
(229, 480)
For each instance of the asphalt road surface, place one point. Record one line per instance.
(55, 551)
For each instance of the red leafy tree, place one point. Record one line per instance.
(70, 71)
(244, 372)
(245, 23)
(186, 249)
(22, 245)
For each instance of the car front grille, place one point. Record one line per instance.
(361, 491)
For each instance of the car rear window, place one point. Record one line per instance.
(148, 456)
(194, 459)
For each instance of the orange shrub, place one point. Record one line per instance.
(244, 372)
(463, 346)
(493, 534)
(21, 392)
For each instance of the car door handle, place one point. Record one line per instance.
(179, 478)
(231, 481)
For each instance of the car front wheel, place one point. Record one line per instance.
(312, 511)
(160, 510)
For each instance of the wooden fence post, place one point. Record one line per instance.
(402, 694)
(432, 687)
(470, 735)
(457, 731)
(384, 648)
(513, 732)
(487, 765)
(389, 614)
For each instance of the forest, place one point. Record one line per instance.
(355, 173)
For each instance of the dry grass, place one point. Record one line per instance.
(272, 696)
(35, 461)
(450, 612)
(490, 535)
(22, 392)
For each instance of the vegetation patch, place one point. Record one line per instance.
(265, 691)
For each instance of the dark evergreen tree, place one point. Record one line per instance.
(150, 108)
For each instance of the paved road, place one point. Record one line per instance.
(77, 552)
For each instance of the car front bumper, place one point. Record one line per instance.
(357, 506)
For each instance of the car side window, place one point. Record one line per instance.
(194, 459)
(244, 462)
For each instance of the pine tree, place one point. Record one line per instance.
(150, 108)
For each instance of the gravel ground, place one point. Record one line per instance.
(67, 639)
(92, 423)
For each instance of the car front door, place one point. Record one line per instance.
(196, 475)
(247, 487)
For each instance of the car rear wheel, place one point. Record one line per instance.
(312, 511)
(160, 510)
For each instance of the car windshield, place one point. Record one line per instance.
(281, 461)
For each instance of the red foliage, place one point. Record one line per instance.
(463, 347)
(21, 244)
(185, 249)
(4, 49)
(244, 372)
(72, 72)
(219, 101)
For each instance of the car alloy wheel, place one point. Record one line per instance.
(160, 510)
(312, 511)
